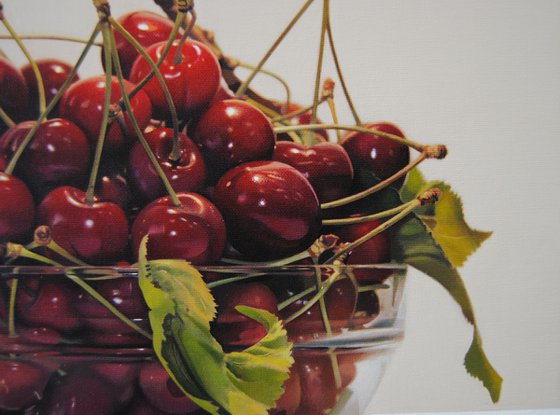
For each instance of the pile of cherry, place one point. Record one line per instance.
(239, 191)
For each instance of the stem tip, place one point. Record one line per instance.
(430, 196)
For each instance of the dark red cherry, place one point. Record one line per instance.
(147, 28)
(121, 375)
(17, 209)
(78, 391)
(162, 392)
(47, 303)
(194, 231)
(326, 165)
(58, 154)
(13, 91)
(140, 406)
(289, 402)
(340, 301)
(3, 162)
(382, 156)
(95, 232)
(83, 102)
(376, 250)
(233, 328)
(319, 391)
(21, 384)
(270, 208)
(112, 184)
(188, 174)
(54, 73)
(192, 83)
(231, 132)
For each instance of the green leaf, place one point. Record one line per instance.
(181, 308)
(446, 220)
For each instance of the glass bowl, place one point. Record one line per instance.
(64, 352)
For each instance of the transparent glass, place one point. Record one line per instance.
(61, 351)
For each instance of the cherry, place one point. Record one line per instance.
(192, 82)
(232, 328)
(124, 294)
(120, 375)
(231, 132)
(270, 208)
(47, 303)
(319, 391)
(83, 102)
(21, 383)
(326, 165)
(54, 73)
(376, 250)
(13, 91)
(58, 154)
(188, 174)
(162, 392)
(140, 406)
(289, 402)
(302, 119)
(17, 209)
(147, 28)
(382, 156)
(112, 184)
(194, 231)
(94, 232)
(340, 301)
(77, 392)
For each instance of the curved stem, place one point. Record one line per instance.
(137, 130)
(36, 72)
(90, 192)
(297, 112)
(6, 118)
(340, 76)
(379, 186)
(243, 87)
(367, 218)
(273, 75)
(50, 37)
(12, 164)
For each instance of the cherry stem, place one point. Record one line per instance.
(428, 197)
(296, 297)
(273, 75)
(243, 87)
(36, 72)
(379, 186)
(176, 151)
(137, 130)
(299, 111)
(340, 75)
(6, 118)
(90, 192)
(273, 114)
(367, 218)
(12, 164)
(43, 237)
(319, 71)
(188, 27)
(322, 305)
(284, 261)
(50, 37)
(12, 309)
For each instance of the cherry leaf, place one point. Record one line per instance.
(181, 309)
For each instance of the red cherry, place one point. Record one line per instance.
(112, 185)
(289, 402)
(162, 392)
(340, 301)
(318, 383)
(192, 83)
(17, 209)
(95, 232)
(302, 119)
(147, 28)
(21, 384)
(376, 250)
(83, 102)
(382, 156)
(326, 165)
(13, 91)
(187, 174)
(195, 231)
(233, 328)
(122, 376)
(58, 154)
(231, 132)
(270, 208)
(54, 73)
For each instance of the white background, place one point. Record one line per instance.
(482, 77)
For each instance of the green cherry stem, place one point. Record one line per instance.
(368, 218)
(273, 75)
(428, 197)
(319, 70)
(137, 130)
(243, 87)
(12, 309)
(13, 161)
(340, 75)
(176, 151)
(43, 237)
(379, 186)
(6, 118)
(34, 67)
(188, 9)
(50, 37)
